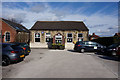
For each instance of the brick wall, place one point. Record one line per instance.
(8, 28)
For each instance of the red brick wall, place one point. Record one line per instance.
(7, 28)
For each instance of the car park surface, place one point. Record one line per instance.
(50, 63)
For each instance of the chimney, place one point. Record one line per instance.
(93, 33)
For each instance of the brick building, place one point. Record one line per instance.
(93, 36)
(13, 32)
(43, 31)
(117, 34)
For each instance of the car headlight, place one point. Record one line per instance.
(112, 49)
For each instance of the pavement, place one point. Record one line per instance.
(45, 63)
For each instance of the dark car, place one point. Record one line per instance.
(111, 50)
(25, 46)
(82, 46)
(118, 51)
(11, 53)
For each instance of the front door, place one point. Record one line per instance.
(58, 39)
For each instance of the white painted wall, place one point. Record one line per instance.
(44, 45)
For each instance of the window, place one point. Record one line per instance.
(69, 37)
(48, 36)
(80, 37)
(92, 38)
(91, 43)
(7, 36)
(37, 37)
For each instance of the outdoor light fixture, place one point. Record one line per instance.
(42, 32)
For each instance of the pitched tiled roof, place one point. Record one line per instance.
(16, 26)
(94, 35)
(59, 25)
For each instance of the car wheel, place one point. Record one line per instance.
(82, 50)
(113, 53)
(5, 61)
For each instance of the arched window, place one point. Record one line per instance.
(69, 37)
(7, 36)
(48, 37)
(37, 37)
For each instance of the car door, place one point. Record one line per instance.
(99, 46)
(6, 49)
(90, 46)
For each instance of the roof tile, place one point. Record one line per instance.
(60, 25)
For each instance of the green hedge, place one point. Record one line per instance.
(106, 41)
(58, 46)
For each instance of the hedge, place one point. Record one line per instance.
(106, 41)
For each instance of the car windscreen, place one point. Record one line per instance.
(77, 43)
(113, 45)
(23, 44)
(90, 43)
(6, 47)
(16, 47)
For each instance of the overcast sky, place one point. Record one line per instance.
(100, 17)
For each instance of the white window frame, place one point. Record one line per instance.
(82, 35)
(6, 35)
(58, 36)
(79, 37)
(46, 37)
(37, 37)
(69, 37)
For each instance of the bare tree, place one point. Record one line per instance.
(15, 20)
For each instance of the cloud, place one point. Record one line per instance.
(39, 8)
(28, 16)
(99, 23)
(114, 27)
(0, 9)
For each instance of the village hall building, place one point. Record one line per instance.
(72, 31)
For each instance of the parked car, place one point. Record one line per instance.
(111, 50)
(25, 46)
(11, 53)
(83, 46)
(118, 51)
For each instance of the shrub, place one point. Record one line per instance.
(106, 41)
